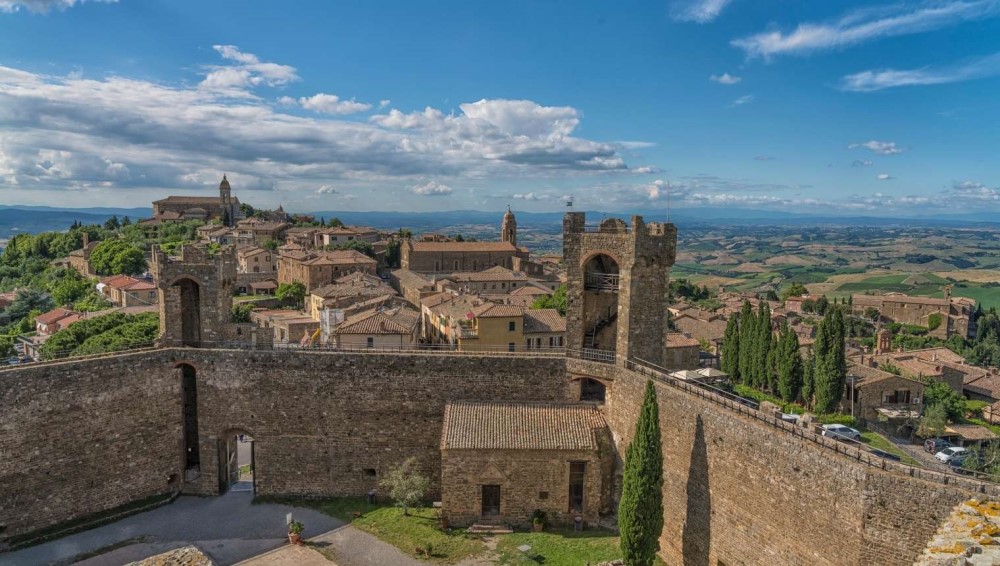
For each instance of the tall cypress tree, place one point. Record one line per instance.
(748, 326)
(830, 369)
(640, 512)
(808, 380)
(789, 361)
(731, 348)
(762, 346)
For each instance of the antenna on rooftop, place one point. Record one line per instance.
(668, 200)
(569, 203)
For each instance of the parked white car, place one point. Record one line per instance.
(945, 456)
(841, 432)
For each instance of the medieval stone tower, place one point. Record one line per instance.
(196, 295)
(617, 287)
(226, 202)
(508, 228)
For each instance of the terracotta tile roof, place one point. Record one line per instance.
(512, 426)
(336, 257)
(679, 340)
(463, 247)
(335, 290)
(53, 315)
(498, 311)
(879, 300)
(533, 290)
(258, 224)
(543, 320)
(182, 199)
(496, 273)
(988, 386)
(709, 330)
(411, 279)
(251, 251)
(127, 283)
(397, 321)
(868, 375)
(970, 431)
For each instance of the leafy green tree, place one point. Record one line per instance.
(291, 294)
(731, 348)
(112, 223)
(241, 312)
(794, 290)
(109, 333)
(640, 511)
(938, 393)
(406, 485)
(557, 300)
(393, 252)
(27, 300)
(70, 289)
(789, 362)
(822, 303)
(356, 245)
(933, 421)
(114, 257)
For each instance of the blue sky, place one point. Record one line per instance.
(858, 107)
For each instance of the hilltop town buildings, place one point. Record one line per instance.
(944, 317)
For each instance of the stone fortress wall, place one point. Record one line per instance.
(83, 436)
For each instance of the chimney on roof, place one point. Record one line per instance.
(86, 238)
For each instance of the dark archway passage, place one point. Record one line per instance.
(600, 303)
(190, 303)
(189, 396)
(236, 462)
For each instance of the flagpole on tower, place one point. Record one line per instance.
(668, 201)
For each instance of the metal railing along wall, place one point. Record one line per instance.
(978, 482)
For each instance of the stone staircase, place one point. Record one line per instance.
(482, 529)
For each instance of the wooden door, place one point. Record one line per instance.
(491, 500)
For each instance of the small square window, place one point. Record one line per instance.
(370, 472)
(511, 326)
(543, 495)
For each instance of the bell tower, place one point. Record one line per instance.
(226, 202)
(508, 228)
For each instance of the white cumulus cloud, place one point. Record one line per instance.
(43, 6)
(725, 79)
(331, 104)
(879, 147)
(432, 189)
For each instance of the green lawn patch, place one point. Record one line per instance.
(559, 547)
(419, 529)
(876, 441)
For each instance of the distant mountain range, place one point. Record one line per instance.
(16, 219)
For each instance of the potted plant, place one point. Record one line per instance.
(295, 532)
(538, 520)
